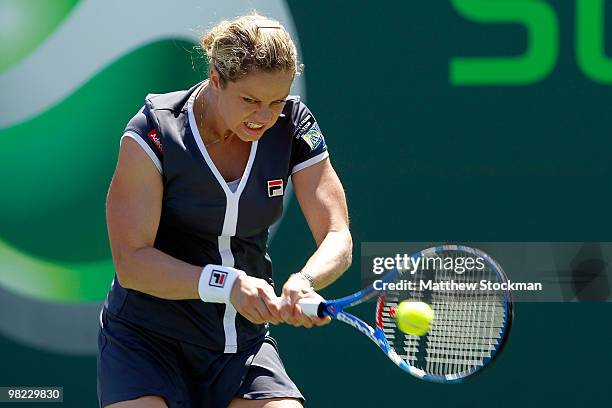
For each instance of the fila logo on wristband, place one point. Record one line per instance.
(217, 278)
(216, 282)
(275, 188)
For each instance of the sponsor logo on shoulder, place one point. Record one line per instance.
(313, 138)
(217, 278)
(305, 125)
(275, 188)
(154, 137)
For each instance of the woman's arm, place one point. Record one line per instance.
(322, 200)
(133, 210)
(323, 203)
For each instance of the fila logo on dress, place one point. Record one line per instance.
(275, 188)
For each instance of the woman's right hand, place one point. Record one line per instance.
(254, 298)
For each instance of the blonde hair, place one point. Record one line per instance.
(247, 44)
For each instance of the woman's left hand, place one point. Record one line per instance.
(298, 287)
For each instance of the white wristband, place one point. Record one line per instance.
(216, 283)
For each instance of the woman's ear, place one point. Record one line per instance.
(213, 78)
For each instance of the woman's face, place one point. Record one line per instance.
(251, 105)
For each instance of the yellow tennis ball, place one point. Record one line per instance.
(414, 317)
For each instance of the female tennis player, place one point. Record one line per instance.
(200, 178)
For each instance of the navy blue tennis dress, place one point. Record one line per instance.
(192, 353)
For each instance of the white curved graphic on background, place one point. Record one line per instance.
(98, 32)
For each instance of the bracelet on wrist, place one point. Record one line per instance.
(308, 277)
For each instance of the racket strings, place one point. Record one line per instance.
(467, 326)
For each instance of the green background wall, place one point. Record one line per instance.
(421, 159)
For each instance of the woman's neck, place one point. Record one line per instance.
(205, 115)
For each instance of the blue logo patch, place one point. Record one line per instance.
(313, 138)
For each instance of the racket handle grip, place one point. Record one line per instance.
(311, 307)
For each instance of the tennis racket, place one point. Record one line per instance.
(470, 327)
